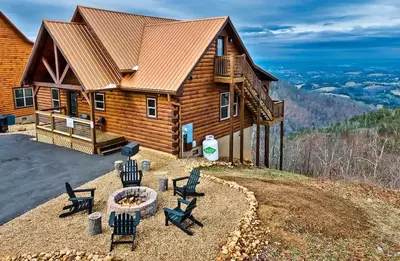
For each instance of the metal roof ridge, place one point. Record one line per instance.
(62, 22)
(188, 21)
(120, 12)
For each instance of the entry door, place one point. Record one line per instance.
(73, 104)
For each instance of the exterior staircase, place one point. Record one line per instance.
(241, 74)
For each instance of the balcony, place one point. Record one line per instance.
(229, 69)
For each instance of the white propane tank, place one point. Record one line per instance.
(210, 148)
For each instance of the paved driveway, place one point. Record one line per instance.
(32, 173)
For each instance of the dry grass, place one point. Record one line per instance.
(321, 219)
(220, 210)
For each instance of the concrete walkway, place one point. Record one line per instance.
(32, 173)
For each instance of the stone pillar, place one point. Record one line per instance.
(119, 166)
(94, 224)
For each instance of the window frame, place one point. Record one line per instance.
(52, 99)
(24, 97)
(103, 101)
(235, 105)
(222, 38)
(148, 108)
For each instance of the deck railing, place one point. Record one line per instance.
(64, 125)
(235, 66)
(225, 64)
(279, 107)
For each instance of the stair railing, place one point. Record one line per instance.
(255, 83)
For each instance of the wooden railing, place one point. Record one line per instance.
(67, 126)
(224, 64)
(278, 109)
(235, 66)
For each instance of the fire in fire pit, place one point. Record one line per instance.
(132, 199)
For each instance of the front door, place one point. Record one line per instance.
(73, 104)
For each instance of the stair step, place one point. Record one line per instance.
(115, 149)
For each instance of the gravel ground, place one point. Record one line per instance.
(220, 211)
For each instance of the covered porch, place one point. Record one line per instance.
(54, 127)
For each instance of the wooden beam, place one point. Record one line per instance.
(60, 86)
(266, 146)
(87, 98)
(242, 97)
(281, 148)
(92, 118)
(56, 63)
(231, 112)
(46, 64)
(63, 74)
(258, 134)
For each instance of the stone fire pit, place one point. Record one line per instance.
(132, 199)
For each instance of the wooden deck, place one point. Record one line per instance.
(52, 128)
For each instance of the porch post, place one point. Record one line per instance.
(266, 148)
(281, 148)
(258, 134)
(242, 124)
(231, 101)
(92, 118)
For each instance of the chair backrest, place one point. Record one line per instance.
(131, 171)
(70, 191)
(188, 211)
(125, 224)
(193, 180)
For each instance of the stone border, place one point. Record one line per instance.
(63, 255)
(241, 242)
(147, 208)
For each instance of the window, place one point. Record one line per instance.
(220, 46)
(23, 97)
(99, 102)
(224, 104)
(151, 108)
(55, 98)
(235, 105)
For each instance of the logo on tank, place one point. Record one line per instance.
(209, 150)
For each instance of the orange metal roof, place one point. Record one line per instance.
(89, 62)
(170, 51)
(120, 33)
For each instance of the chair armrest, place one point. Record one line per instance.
(183, 201)
(177, 213)
(181, 178)
(85, 190)
(137, 218)
(82, 198)
(111, 219)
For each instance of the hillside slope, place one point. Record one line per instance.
(306, 109)
(365, 148)
(314, 219)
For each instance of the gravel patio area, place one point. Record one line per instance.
(220, 211)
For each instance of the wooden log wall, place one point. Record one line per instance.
(14, 54)
(200, 99)
(126, 114)
(44, 98)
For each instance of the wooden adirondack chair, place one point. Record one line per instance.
(124, 225)
(178, 216)
(131, 175)
(190, 188)
(78, 203)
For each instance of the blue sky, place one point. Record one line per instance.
(275, 32)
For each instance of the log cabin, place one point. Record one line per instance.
(15, 49)
(106, 77)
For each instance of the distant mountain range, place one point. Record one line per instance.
(378, 86)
